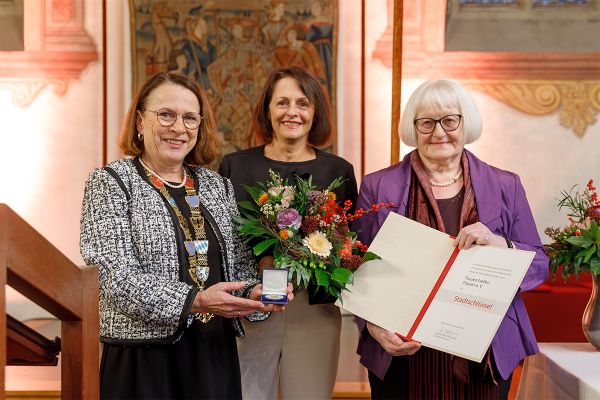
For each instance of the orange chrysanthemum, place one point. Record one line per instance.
(263, 199)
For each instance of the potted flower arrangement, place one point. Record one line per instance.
(306, 230)
(576, 248)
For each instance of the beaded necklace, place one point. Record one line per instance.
(197, 249)
(446, 184)
(160, 178)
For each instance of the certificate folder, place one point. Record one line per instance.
(426, 289)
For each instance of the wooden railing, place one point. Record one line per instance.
(30, 264)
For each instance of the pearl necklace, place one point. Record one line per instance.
(167, 183)
(446, 184)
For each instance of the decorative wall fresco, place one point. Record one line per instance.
(230, 47)
(57, 48)
(536, 83)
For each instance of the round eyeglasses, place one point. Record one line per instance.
(167, 117)
(448, 123)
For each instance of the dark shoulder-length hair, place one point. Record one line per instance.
(320, 132)
(207, 146)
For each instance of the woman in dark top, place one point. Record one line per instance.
(247, 167)
(174, 272)
(297, 352)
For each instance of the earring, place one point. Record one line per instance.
(140, 137)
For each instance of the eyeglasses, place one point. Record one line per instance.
(167, 117)
(448, 123)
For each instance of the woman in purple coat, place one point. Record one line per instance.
(446, 187)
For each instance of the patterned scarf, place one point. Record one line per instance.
(422, 206)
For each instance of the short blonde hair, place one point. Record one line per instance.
(207, 146)
(443, 94)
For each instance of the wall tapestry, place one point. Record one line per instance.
(230, 47)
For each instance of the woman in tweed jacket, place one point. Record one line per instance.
(175, 277)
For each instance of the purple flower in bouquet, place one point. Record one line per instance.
(314, 196)
(289, 218)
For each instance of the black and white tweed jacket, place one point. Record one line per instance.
(129, 233)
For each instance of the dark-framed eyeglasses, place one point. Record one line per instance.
(167, 117)
(448, 123)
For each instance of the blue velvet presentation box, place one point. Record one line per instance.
(274, 290)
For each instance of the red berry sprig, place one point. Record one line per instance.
(593, 195)
(374, 208)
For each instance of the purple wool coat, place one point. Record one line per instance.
(503, 208)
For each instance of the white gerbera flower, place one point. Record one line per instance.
(318, 244)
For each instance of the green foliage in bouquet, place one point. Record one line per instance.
(576, 247)
(306, 230)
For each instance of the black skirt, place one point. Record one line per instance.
(203, 364)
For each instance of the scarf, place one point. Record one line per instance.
(422, 206)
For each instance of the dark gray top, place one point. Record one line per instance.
(247, 167)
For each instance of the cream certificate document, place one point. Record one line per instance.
(425, 289)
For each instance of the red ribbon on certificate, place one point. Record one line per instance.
(432, 294)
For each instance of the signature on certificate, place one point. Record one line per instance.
(448, 331)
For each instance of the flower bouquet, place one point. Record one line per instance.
(306, 230)
(576, 247)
